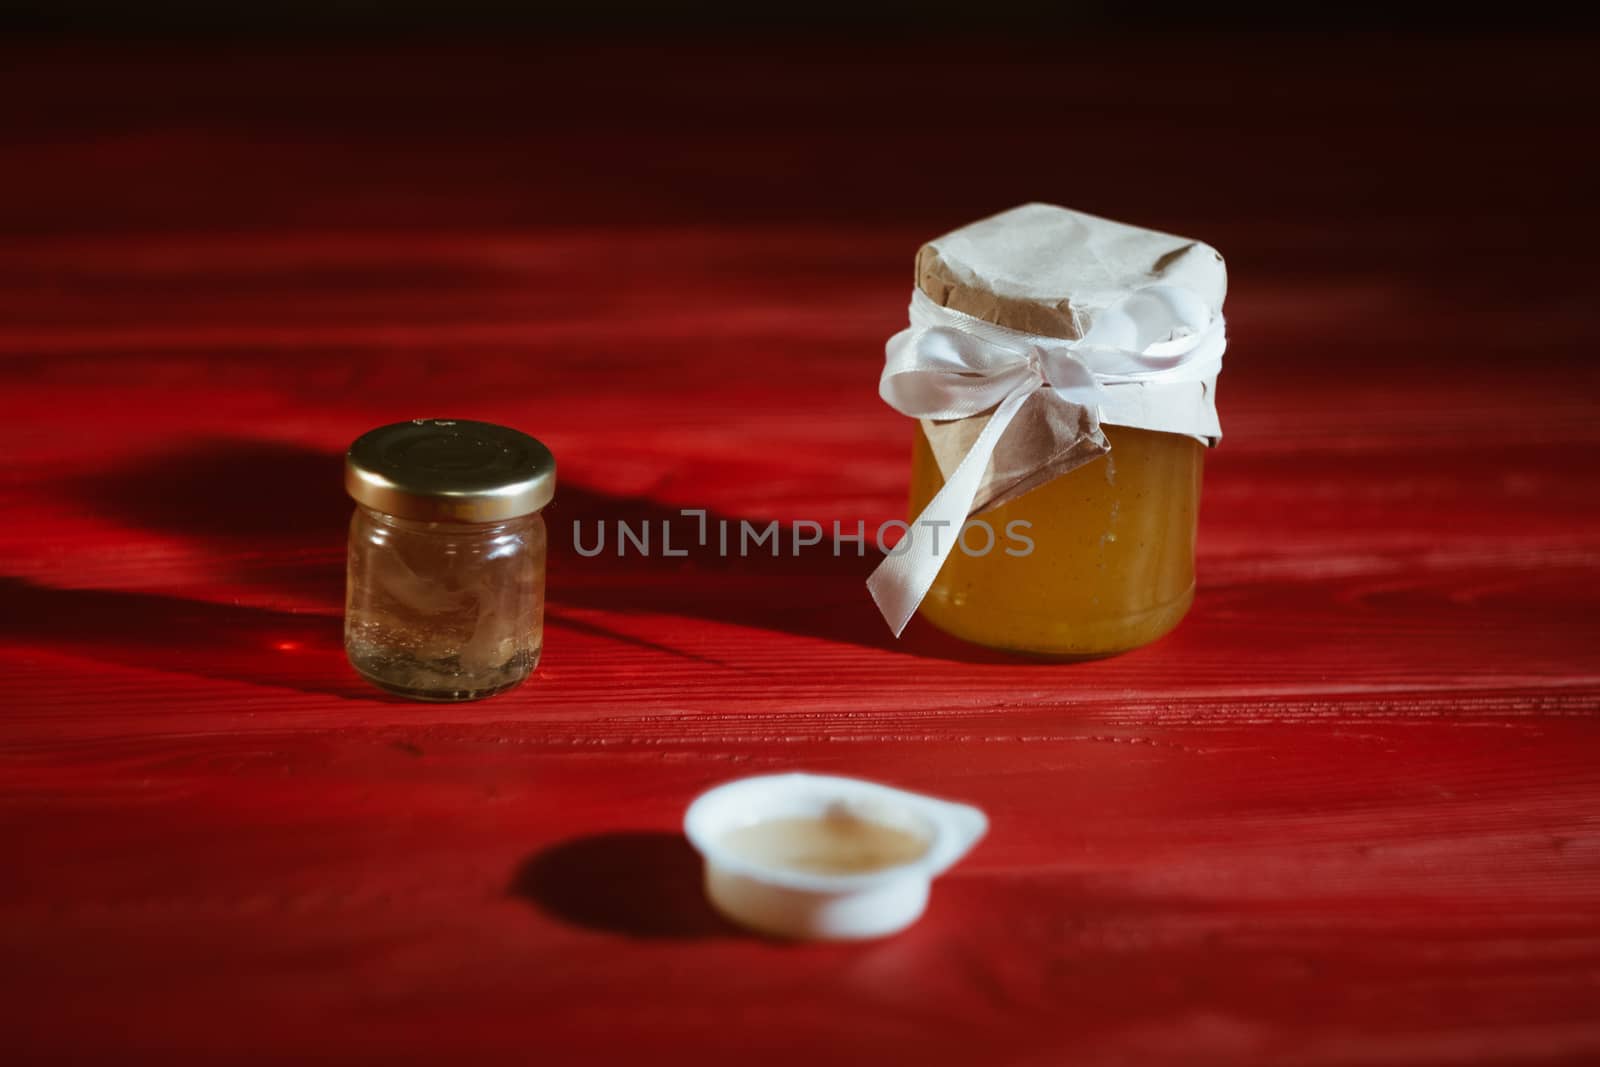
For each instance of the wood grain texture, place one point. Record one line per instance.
(1349, 813)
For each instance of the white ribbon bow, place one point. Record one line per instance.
(948, 365)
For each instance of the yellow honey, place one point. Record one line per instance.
(836, 842)
(1112, 564)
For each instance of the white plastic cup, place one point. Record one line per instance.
(805, 905)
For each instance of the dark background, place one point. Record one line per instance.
(1302, 140)
(889, 17)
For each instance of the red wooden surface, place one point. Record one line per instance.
(1348, 813)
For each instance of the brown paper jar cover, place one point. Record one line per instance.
(1047, 270)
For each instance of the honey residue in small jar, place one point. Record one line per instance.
(836, 842)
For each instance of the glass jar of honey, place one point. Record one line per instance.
(445, 590)
(1063, 370)
(1111, 562)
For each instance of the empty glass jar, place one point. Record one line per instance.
(445, 594)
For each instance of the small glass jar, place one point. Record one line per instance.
(445, 592)
(1112, 564)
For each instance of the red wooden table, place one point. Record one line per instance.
(1348, 813)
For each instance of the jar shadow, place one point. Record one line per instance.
(268, 491)
(264, 514)
(275, 516)
(638, 883)
(816, 592)
(262, 646)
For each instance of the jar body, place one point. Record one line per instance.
(444, 610)
(1112, 563)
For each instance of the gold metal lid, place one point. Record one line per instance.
(450, 470)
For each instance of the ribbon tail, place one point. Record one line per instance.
(904, 578)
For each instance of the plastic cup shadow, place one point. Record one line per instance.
(640, 883)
